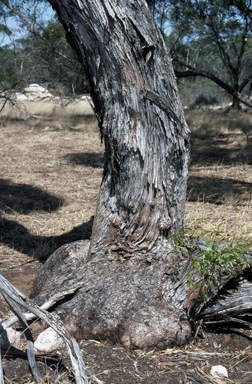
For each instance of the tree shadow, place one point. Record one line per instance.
(215, 190)
(220, 138)
(16, 236)
(205, 152)
(25, 198)
(88, 159)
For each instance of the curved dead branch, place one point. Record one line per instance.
(15, 298)
(230, 90)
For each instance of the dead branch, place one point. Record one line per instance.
(5, 98)
(1, 370)
(48, 304)
(28, 335)
(13, 296)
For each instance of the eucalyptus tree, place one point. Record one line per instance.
(130, 281)
(38, 43)
(213, 40)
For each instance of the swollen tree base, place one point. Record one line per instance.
(137, 301)
(141, 301)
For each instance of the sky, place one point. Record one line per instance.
(18, 30)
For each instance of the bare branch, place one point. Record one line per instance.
(13, 296)
(230, 90)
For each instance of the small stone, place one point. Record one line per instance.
(48, 341)
(218, 371)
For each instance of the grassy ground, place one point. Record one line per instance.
(219, 197)
(51, 167)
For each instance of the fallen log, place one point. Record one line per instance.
(233, 304)
(228, 302)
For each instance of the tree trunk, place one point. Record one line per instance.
(236, 105)
(130, 291)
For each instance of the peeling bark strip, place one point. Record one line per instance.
(141, 121)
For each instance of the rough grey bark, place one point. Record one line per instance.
(129, 292)
(141, 120)
(139, 302)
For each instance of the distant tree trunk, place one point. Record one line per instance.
(130, 289)
(236, 105)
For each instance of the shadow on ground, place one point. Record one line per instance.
(16, 236)
(219, 137)
(215, 190)
(88, 159)
(216, 151)
(24, 199)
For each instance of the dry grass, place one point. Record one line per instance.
(51, 165)
(219, 198)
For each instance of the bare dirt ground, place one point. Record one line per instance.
(51, 167)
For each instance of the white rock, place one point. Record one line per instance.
(218, 371)
(20, 96)
(46, 96)
(48, 341)
(34, 88)
(14, 337)
(36, 92)
(10, 337)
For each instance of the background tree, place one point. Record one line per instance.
(4, 29)
(213, 40)
(202, 69)
(159, 9)
(39, 49)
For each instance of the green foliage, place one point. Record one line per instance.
(9, 71)
(212, 39)
(215, 259)
(5, 29)
(182, 240)
(197, 92)
(210, 260)
(40, 54)
(209, 39)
